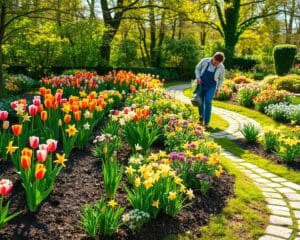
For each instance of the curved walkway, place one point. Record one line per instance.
(282, 196)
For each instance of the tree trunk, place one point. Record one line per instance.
(105, 48)
(152, 35)
(230, 43)
(1, 73)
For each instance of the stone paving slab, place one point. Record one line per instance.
(292, 196)
(272, 195)
(292, 185)
(276, 201)
(283, 221)
(285, 190)
(295, 205)
(283, 232)
(297, 215)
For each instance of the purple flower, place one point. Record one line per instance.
(181, 156)
(191, 170)
(200, 175)
(174, 156)
(204, 159)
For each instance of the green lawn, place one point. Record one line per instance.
(296, 100)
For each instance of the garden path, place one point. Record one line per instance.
(282, 196)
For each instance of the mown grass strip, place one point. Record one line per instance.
(245, 216)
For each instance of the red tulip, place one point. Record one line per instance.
(34, 142)
(5, 186)
(67, 118)
(33, 110)
(52, 145)
(3, 115)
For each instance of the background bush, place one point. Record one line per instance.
(289, 82)
(284, 56)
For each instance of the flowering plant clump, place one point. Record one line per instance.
(270, 96)
(4, 134)
(104, 218)
(179, 131)
(5, 189)
(225, 93)
(138, 127)
(284, 112)
(135, 219)
(156, 188)
(246, 93)
(270, 139)
(197, 171)
(37, 171)
(241, 79)
(106, 146)
(288, 148)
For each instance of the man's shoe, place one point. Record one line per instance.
(206, 127)
(201, 120)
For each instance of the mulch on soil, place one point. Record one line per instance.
(81, 183)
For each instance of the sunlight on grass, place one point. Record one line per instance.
(296, 100)
(170, 84)
(277, 169)
(244, 217)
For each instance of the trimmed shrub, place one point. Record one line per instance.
(289, 82)
(270, 79)
(284, 56)
(244, 64)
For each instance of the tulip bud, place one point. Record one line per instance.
(44, 115)
(16, 129)
(3, 115)
(41, 155)
(59, 123)
(25, 162)
(5, 125)
(43, 147)
(33, 110)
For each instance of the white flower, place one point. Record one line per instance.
(138, 147)
(86, 126)
(88, 114)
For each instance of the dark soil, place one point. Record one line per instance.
(81, 183)
(270, 155)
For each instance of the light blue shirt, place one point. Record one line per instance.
(219, 74)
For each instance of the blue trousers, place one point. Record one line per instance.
(206, 95)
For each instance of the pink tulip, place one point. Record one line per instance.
(43, 147)
(14, 104)
(3, 115)
(58, 96)
(34, 142)
(5, 186)
(41, 155)
(52, 145)
(33, 110)
(36, 101)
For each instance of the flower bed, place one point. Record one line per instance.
(164, 187)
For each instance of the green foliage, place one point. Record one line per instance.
(125, 54)
(103, 219)
(17, 84)
(245, 96)
(112, 175)
(289, 82)
(270, 139)
(284, 56)
(182, 53)
(250, 132)
(106, 145)
(243, 63)
(288, 148)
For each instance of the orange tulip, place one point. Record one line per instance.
(40, 171)
(26, 152)
(77, 115)
(67, 118)
(44, 115)
(16, 129)
(25, 162)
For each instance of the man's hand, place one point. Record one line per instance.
(216, 93)
(199, 80)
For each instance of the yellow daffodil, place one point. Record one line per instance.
(172, 195)
(190, 194)
(10, 148)
(26, 117)
(112, 203)
(148, 183)
(129, 170)
(137, 182)
(60, 159)
(155, 204)
(71, 130)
